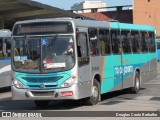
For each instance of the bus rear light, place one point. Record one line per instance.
(67, 93)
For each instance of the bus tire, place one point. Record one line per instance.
(41, 103)
(135, 89)
(93, 100)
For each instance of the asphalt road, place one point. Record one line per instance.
(148, 99)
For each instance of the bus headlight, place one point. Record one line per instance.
(18, 84)
(69, 82)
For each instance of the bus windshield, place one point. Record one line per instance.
(43, 54)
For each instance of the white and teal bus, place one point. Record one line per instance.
(5, 53)
(65, 58)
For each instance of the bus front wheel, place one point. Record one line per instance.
(41, 103)
(135, 89)
(93, 100)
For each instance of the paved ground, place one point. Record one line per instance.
(147, 100)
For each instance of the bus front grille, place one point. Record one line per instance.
(42, 79)
(45, 86)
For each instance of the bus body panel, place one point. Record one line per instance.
(5, 73)
(111, 75)
(158, 54)
(153, 66)
(5, 52)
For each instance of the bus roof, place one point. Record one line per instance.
(125, 26)
(5, 33)
(94, 23)
(78, 22)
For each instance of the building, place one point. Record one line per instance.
(89, 6)
(123, 16)
(147, 12)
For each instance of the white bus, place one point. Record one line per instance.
(5, 53)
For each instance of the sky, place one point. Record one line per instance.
(66, 4)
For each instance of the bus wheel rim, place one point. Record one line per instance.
(95, 92)
(137, 83)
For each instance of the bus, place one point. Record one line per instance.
(158, 50)
(72, 59)
(5, 53)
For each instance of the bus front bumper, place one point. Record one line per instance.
(52, 94)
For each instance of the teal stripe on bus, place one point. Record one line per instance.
(123, 26)
(64, 76)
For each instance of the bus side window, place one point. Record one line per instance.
(147, 41)
(115, 38)
(79, 45)
(104, 42)
(152, 42)
(82, 49)
(126, 41)
(144, 41)
(135, 38)
(94, 48)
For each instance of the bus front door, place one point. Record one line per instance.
(83, 65)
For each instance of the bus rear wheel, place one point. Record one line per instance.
(135, 89)
(41, 103)
(93, 100)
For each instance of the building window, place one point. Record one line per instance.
(149, 16)
(94, 10)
